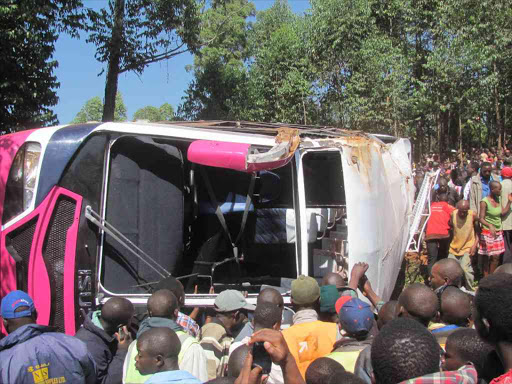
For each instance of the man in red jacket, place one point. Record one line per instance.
(438, 230)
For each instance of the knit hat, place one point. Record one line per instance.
(355, 316)
(15, 300)
(231, 300)
(328, 296)
(305, 290)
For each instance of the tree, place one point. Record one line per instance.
(93, 110)
(28, 31)
(280, 84)
(220, 73)
(131, 34)
(154, 114)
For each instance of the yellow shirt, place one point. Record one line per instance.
(463, 234)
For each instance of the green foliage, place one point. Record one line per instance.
(93, 110)
(219, 87)
(154, 114)
(28, 31)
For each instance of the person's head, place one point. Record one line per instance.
(485, 170)
(495, 187)
(504, 268)
(116, 313)
(418, 302)
(355, 317)
(387, 313)
(230, 306)
(270, 295)
(17, 309)
(174, 286)
(492, 309)
(320, 370)
(404, 350)
(443, 196)
(465, 345)
(473, 167)
(164, 304)
(462, 209)
(332, 278)
(328, 296)
(455, 307)
(267, 315)
(237, 359)
(158, 351)
(305, 293)
(446, 272)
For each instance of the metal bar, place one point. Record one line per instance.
(119, 237)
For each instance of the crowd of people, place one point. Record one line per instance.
(471, 218)
(437, 334)
(440, 331)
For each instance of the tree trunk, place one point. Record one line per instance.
(499, 127)
(439, 135)
(113, 63)
(418, 153)
(460, 139)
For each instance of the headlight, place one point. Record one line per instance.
(30, 168)
(22, 180)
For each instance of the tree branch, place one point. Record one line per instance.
(154, 59)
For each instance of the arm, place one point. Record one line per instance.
(372, 296)
(483, 211)
(506, 209)
(115, 368)
(474, 247)
(276, 346)
(358, 270)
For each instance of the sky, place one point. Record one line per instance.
(162, 82)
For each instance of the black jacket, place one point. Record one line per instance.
(103, 348)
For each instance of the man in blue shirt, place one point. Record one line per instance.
(480, 187)
(157, 355)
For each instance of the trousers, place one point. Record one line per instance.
(469, 273)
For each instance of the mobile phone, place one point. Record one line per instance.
(122, 333)
(261, 358)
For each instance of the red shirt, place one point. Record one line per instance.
(437, 226)
(503, 379)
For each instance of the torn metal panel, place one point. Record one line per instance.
(380, 196)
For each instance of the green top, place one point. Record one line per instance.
(493, 214)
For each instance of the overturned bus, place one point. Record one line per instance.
(98, 210)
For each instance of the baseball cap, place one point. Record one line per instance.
(328, 296)
(506, 172)
(232, 300)
(14, 300)
(305, 290)
(355, 315)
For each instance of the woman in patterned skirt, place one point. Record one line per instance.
(492, 244)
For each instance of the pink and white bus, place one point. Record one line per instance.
(98, 210)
